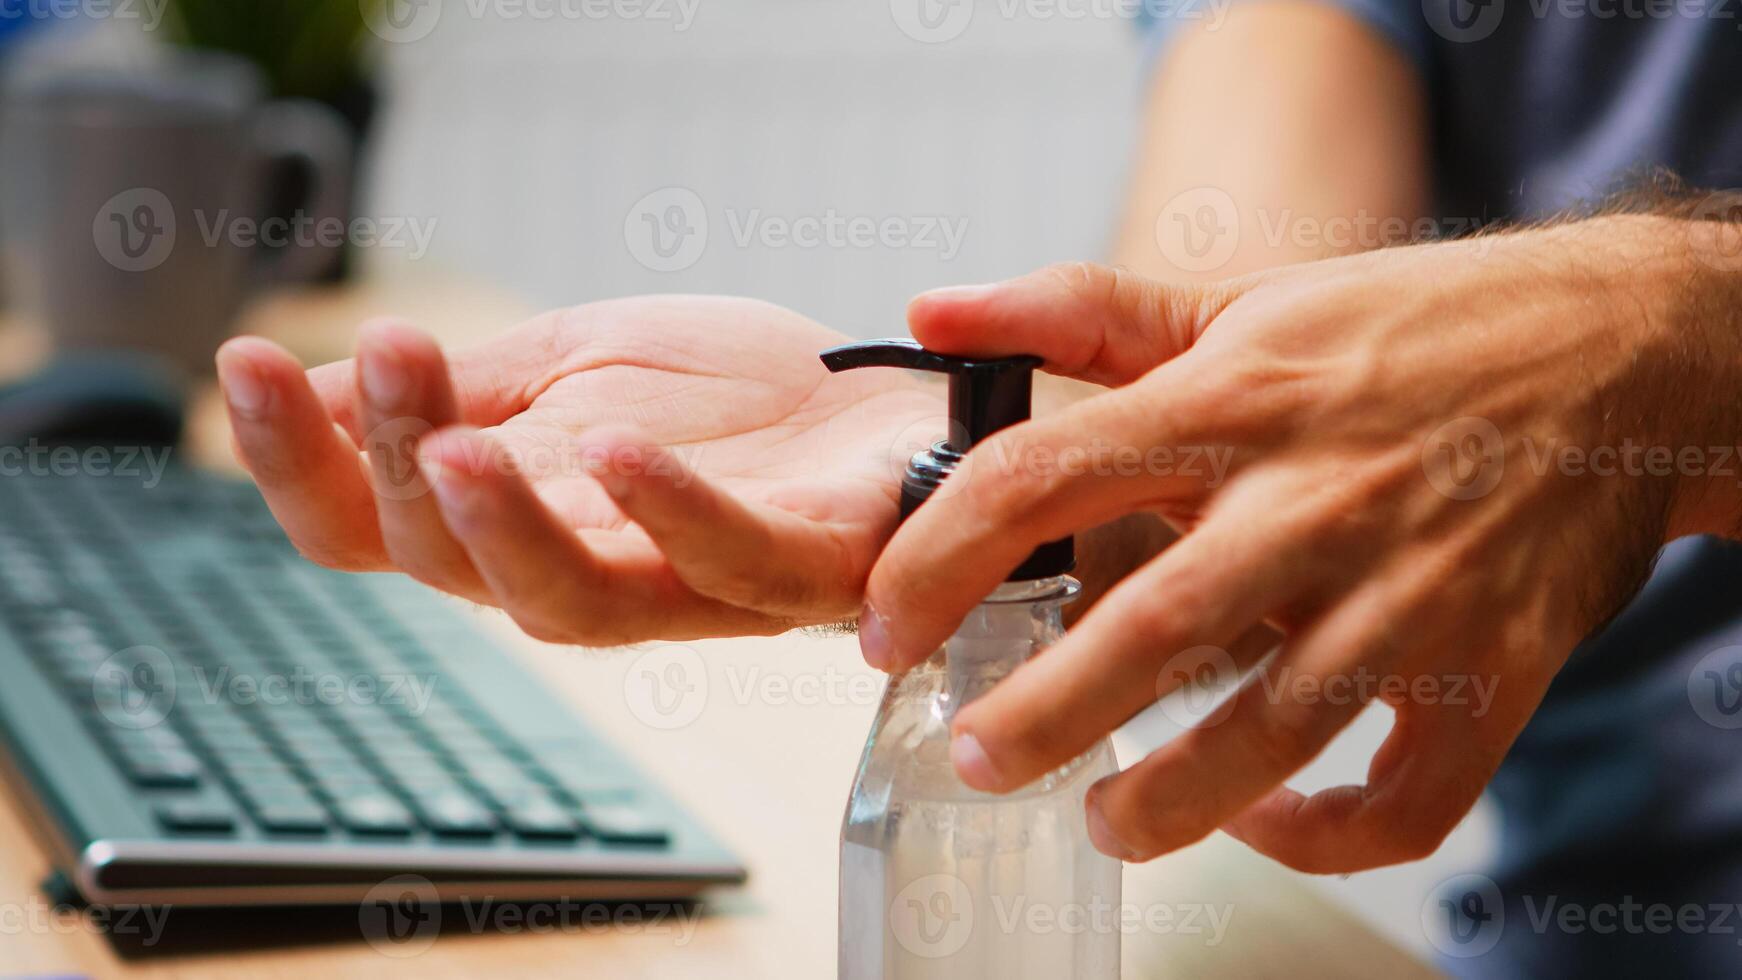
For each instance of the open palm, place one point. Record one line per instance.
(657, 467)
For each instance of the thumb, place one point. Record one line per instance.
(1091, 322)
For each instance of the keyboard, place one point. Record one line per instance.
(194, 714)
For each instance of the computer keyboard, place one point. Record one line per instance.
(196, 714)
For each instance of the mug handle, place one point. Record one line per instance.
(315, 137)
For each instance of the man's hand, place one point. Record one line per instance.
(1414, 463)
(636, 469)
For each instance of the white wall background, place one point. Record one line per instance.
(530, 141)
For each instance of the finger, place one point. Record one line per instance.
(1197, 597)
(1027, 485)
(1184, 790)
(555, 587)
(308, 471)
(1092, 322)
(402, 395)
(1423, 780)
(489, 381)
(748, 555)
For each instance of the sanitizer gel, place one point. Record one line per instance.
(937, 879)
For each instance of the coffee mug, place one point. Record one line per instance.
(132, 203)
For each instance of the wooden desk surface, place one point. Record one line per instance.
(766, 762)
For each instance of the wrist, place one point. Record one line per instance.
(1685, 275)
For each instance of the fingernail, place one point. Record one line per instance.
(432, 469)
(243, 390)
(961, 294)
(1103, 837)
(453, 495)
(385, 379)
(874, 639)
(972, 763)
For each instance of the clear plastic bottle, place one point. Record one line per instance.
(940, 880)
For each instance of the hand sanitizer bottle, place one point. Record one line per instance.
(937, 879)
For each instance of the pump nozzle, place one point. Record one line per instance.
(986, 394)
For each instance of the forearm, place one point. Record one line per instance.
(1293, 116)
(1320, 150)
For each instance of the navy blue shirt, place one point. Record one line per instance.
(1622, 800)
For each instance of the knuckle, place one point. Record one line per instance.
(1088, 281)
(1394, 840)
(1282, 739)
(337, 559)
(1166, 616)
(272, 467)
(1009, 479)
(544, 629)
(1418, 841)
(549, 613)
(1147, 819)
(419, 566)
(332, 547)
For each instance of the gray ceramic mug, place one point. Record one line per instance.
(132, 201)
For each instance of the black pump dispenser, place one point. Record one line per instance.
(986, 394)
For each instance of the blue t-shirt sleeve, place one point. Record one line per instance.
(1398, 21)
